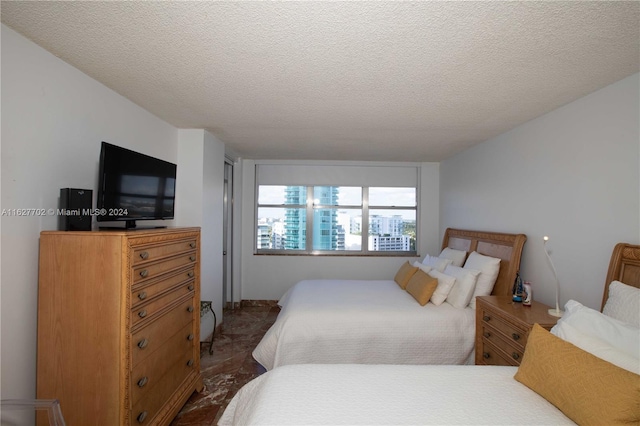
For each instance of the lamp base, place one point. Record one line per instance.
(556, 312)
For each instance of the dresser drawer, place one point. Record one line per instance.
(499, 339)
(511, 350)
(514, 334)
(147, 311)
(150, 253)
(148, 406)
(146, 340)
(148, 373)
(492, 355)
(151, 270)
(146, 291)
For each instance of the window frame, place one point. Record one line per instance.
(310, 207)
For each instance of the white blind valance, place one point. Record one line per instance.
(338, 175)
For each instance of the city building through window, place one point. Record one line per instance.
(336, 219)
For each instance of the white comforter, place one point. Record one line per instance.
(364, 322)
(389, 394)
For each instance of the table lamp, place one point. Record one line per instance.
(555, 312)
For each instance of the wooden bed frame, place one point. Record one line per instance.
(624, 267)
(506, 247)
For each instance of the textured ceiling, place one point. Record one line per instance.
(393, 81)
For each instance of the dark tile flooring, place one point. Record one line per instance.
(230, 366)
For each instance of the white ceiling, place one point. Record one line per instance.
(392, 81)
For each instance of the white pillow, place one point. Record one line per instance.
(436, 263)
(457, 257)
(445, 283)
(618, 334)
(462, 290)
(623, 303)
(596, 346)
(489, 268)
(422, 266)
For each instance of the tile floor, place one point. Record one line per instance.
(230, 366)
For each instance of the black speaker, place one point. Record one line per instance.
(75, 209)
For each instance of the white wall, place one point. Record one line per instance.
(189, 177)
(53, 120)
(199, 201)
(270, 276)
(572, 174)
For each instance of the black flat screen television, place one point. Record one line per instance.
(133, 186)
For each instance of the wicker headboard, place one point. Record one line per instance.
(624, 267)
(507, 247)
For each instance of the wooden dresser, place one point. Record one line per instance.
(119, 324)
(503, 326)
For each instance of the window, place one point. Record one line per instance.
(392, 219)
(336, 220)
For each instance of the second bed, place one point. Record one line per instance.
(377, 322)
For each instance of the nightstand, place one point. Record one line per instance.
(503, 326)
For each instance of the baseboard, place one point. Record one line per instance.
(234, 305)
(259, 303)
(251, 303)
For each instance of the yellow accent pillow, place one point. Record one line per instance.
(421, 286)
(587, 389)
(403, 275)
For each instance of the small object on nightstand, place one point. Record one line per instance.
(528, 296)
(518, 290)
(503, 326)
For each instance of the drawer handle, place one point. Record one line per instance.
(144, 273)
(143, 381)
(192, 258)
(141, 417)
(144, 255)
(190, 287)
(486, 317)
(487, 334)
(190, 337)
(142, 295)
(143, 343)
(142, 313)
(190, 309)
(192, 245)
(515, 336)
(486, 355)
(515, 355)
(190, 363)
(190, 274)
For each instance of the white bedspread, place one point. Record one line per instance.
(390, 394)
(364, 322)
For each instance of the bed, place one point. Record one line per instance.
(377, 322)
(562, 380)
